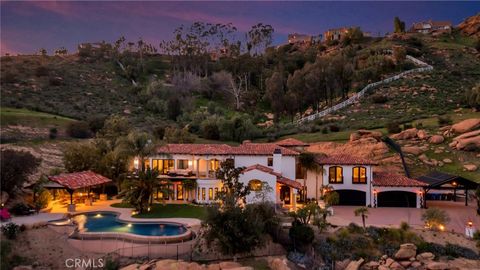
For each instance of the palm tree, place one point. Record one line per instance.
(139, 189)
(362, 211)
(307, 160)
(137, 144)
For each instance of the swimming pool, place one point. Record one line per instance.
(106, 222)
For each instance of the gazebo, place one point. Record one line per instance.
(444, 181)
(77, 180)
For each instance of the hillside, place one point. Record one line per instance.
(71, 88)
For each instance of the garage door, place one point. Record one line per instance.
(396, 199)
(351, 197)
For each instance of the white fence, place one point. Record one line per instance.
(423, 68)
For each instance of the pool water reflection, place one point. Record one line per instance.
(108, 222)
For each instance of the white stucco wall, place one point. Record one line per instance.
(348, 181)
(264, 177)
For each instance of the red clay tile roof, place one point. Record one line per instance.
(195, 149)
(386, 179)
(78, 180)
(281, 179)
(343, 159)
(261, 149)
(223, 149)
(291, 142)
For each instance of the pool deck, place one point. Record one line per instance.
(58, 211)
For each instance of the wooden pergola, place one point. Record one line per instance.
(444, 181)
(78, 180)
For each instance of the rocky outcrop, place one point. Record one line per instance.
(406, 134)
(354, 265)
(467, 141)
(182, 265)
(471, 26)
(362, 133)
(406, 259)
(406, 252)
(466, 125)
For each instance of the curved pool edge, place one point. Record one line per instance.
(137, 238)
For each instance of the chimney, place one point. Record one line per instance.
(246, 142)
(277, 160)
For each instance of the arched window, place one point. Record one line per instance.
(255, 185)
(359, 175)
(335, 175)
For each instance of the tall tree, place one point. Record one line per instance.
(234, 191)
(275, 93)
(259, 38)
(398, 25)
(15, 168)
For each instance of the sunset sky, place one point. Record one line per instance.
(28, 26)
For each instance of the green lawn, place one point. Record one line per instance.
(170, 211)
(13, 116)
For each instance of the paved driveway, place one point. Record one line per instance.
(392, 216)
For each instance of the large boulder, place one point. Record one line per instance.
(362, 133)
(406, 252)
(414, 150)
(466, 125)
(229, 265)
(406, 134)
(437, 266)
(355, 265)
(425, 256)
(470, 167)
(436, 139)
(278, 263)
(422, 134)
(467, 141)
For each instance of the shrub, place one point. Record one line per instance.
(434, 218)
(301, 235)
(55, 81)
(444, 120)
(404, 226)
(41, 71)
(334, 128)
(79, 130)
(210, 130)
(53, 133)
(10, 230)
(324, 130)
(472, 97)
(159, 132)
(43, 199)
(393, 127)
(20, 209)
(9, 77)
(379, 99)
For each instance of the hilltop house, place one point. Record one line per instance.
(277, 165)
(429, 27)
(335, 33)
(297, 38)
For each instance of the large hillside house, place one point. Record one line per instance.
(277, 165)
(430, 26)
(297, 38)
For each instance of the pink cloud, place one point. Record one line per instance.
(62, 8)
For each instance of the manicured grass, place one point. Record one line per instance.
(170, 211)
(341, 136)
(14, 116)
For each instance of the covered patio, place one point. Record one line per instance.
(79, 186)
